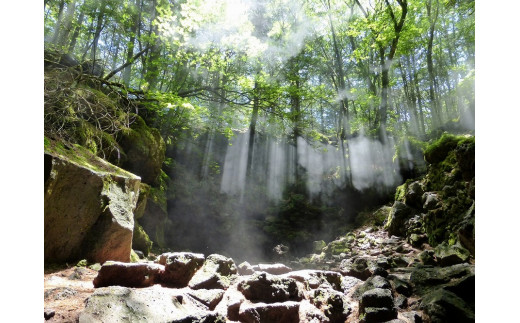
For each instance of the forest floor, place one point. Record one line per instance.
(65, 292)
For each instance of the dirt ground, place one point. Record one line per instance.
(65, 292)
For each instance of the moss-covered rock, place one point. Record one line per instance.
(141, 241)
(145, 149)
(155, 217)
(396, 219)
(88, 206)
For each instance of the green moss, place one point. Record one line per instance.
(133, 256)
(400, 192)
(82, 263)
(83, 157)
(439, 149)
(140, 240)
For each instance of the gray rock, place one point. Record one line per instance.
(315, 278)
(423, 279)
(395, 224)
(180, 267)
(377, 297)
(333, 303)
(88, 205)
(152, 304)
(356, 267)
(264, 287)
(378, 314)
(427, 257)
(444, 306)
(217, 272)
(128, 274)
(413, 196)
(431, 201)
(451, 255)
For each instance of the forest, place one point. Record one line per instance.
(328, 146)
(283, 118)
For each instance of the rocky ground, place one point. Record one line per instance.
(364, 276)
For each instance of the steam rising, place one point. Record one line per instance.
(371, 165)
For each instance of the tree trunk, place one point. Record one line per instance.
(436, 114)
(127, 72)
(97, 33)
(252, 129)
(57, 26)
(63, 38)
(77, 29)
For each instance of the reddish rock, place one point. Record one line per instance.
(114, 273)
(286, 312)
(180, 267)
(274, 269)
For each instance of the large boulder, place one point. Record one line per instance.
(154, 218)
(88, 207)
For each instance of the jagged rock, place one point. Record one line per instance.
(349, 283)
(395, 224)
(378, 314)
(431, 201)
(180, 267)
(377, 305)
(413, 196)
(274, 269)
(315, 278)
(401, 301)
(464, 288)
(245, 269)
(400, 286)
(447, 255)
(128, 274)
(216, 272)
(356, 267)
(371, 283)
(309, 313)
(208, 297)
(427, 257)
(333, 303)
(444, 306)
(413, 317)
(423, 279)
(152, 304)
(274, 312)
(264, 287)
(229, 306)
(88, 207)
(48, 314)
